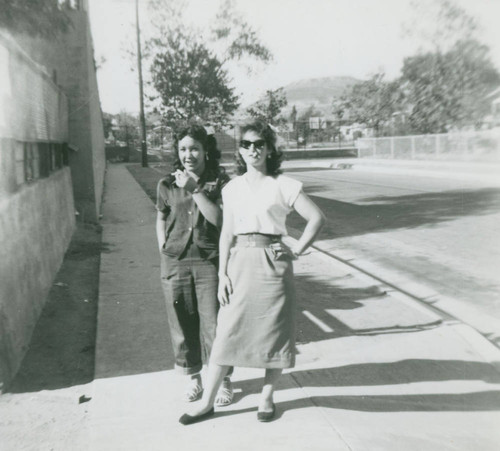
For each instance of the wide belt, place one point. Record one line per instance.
(256, 240)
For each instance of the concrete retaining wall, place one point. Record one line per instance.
(347, 152)
(36, 225)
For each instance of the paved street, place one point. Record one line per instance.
(440, 232)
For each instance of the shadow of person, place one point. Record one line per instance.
(388, 374)
(395, 373)
(482, 401)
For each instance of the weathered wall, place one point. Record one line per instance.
(86, 133)
(71, 62)
(36, 225)
(98, 145)
(36, 197)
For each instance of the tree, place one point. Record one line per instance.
(269, 106)
(190, 70)
(191, 81)
(38, 18)
(445, 84)
(448, 89)
(107, 123)
(371, 102)
(124, 126)
(440, 24)
(236, 37)
(293, 116)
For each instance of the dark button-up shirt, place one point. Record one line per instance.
(185, 225)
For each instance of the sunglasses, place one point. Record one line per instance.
(259, 144)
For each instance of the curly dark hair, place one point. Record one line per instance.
(209, 143)
(273, 161)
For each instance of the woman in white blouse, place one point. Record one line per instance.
(256, 324)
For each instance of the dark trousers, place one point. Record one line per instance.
(190, 289)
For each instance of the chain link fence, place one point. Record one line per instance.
(481, 145)
(123, 142)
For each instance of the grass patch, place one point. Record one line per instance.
(147, 178)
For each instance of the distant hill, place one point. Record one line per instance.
(317, 91)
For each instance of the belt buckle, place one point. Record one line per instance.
(251, 241)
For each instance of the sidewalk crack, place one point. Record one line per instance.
(332, 426)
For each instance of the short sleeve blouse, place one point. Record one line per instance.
(261, 210)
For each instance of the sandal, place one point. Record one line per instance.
(225, 393)
(193, 391)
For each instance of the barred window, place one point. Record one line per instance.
(19, 163)
(58, 156)
(33, 161)
(44, 151)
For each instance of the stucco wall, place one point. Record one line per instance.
(71, 60)
(77, 76)
(37, 216)
(96, 126)
(36, 225)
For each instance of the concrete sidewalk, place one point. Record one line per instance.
(381, 372)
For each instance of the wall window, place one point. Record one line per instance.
(19, 162)
(38, 160)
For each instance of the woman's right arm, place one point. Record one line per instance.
(225, 243)
(163, 211)
(161, 219)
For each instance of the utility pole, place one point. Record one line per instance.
(144, 149)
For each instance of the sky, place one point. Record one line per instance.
(308, 39)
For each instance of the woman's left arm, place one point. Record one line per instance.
(315, 218)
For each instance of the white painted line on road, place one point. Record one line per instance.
(324, 327)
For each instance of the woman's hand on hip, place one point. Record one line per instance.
(225, 290)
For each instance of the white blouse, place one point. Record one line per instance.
(261, 210)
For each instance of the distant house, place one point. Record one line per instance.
(493, 103)
(494, 99)
(353, 131)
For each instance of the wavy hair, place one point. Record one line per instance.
(275, 156)
(209, 143)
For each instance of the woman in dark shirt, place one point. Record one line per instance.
(187, 227)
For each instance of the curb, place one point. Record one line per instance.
(425, 298)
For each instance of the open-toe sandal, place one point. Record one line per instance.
(193, 392)
(225, 394)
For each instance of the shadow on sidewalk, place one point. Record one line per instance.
(483, 401)
(384, 213)
(321, 296)
(388, 374)
(400, 372)
(62, 347)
